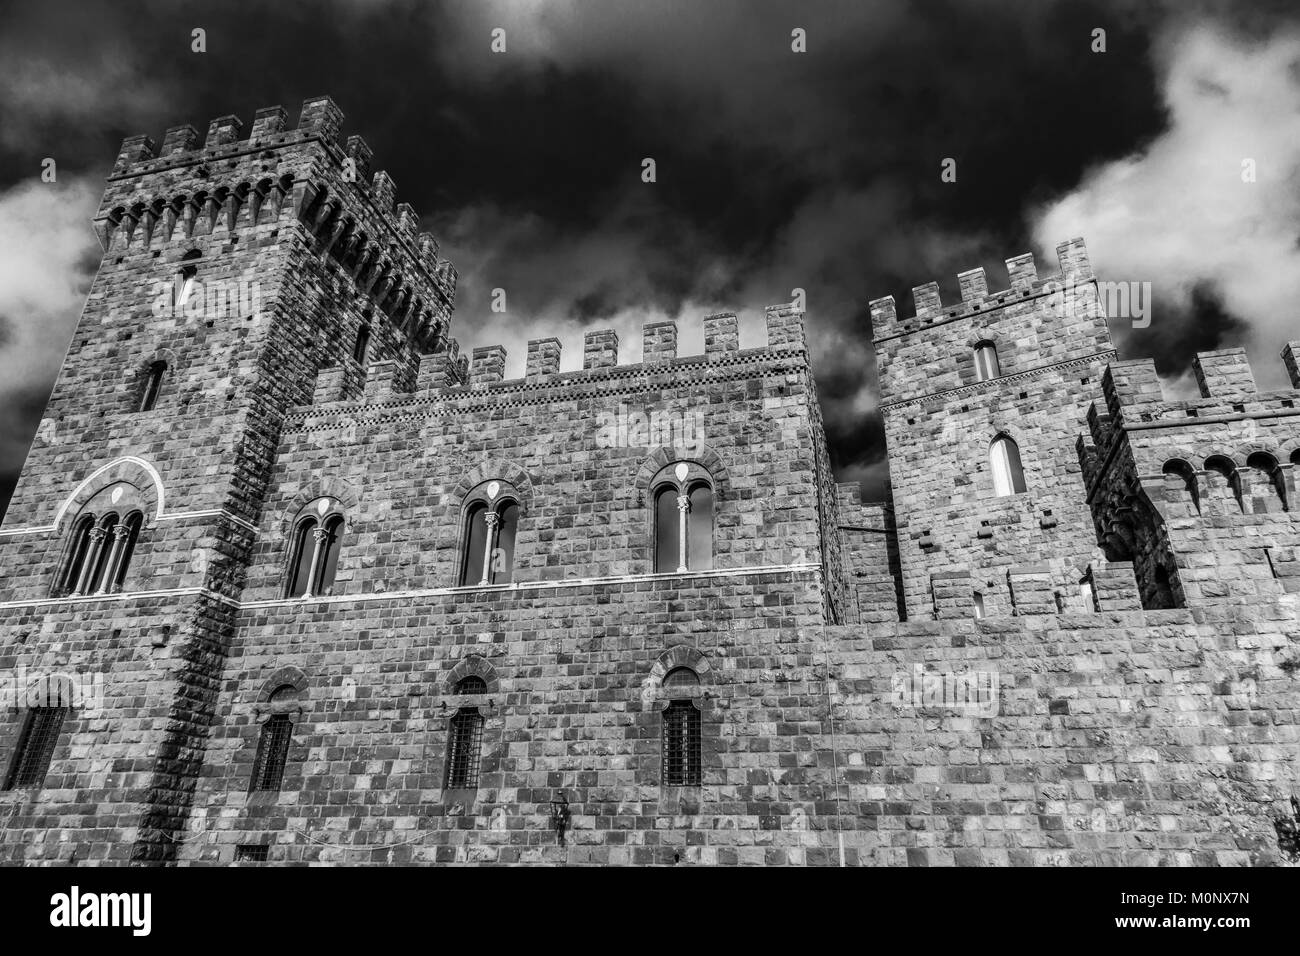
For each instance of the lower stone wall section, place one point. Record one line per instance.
(1130, 737)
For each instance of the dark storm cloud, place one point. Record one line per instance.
(776, 170)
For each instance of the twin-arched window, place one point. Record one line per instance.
(491, 523)
(683, 519)
(99, 551)
(314, 555)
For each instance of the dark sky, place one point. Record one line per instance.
(776, 170)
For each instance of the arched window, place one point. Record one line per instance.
(491, 526)
(986, 362)
(35, 750)
(683, 519)
(152, 386)
(681, 745)
(1267, 487)
(667, 528)
(1181, 498)
(77, 552)
(186, 277)
(101, 544)
(1222, 485)
(464, 741)
(979, 605)
(1008, 475)
(272, 755)
(361, 344)
(314, 550)
(471, 685)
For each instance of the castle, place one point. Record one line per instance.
(287, 578)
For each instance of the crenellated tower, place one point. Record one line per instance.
(982, 402)
(1199, 494)
(234, 269)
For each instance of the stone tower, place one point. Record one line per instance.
(233, 270)
(1021, 364)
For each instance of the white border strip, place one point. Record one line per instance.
(424, 593)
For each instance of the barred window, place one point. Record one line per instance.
(35, 749)
(463, 744)
(471, 685)
(681, 752)
(252, 853)
(272, 754)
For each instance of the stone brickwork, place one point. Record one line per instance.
(855, 705)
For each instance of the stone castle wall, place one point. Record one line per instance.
(853, 710)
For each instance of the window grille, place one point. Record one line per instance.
(36, 745)
(252, 852)
(272, 753)
(681, 752)
(464, 742)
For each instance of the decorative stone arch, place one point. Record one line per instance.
(340, 489)
(289, 676)
(683, 656)
(130, 470)
(498, 469)
(659, 459)
(474, 665)
(135, 377)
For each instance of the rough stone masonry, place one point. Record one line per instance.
(1101, 668)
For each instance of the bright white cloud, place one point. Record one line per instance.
(48, 254)
(1178, 212)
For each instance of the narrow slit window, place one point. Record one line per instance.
(152, 386)
(362, 344)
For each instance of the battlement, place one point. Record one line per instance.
(1074, 268)
(184, 191)
(450, 373)
(1134, 398)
